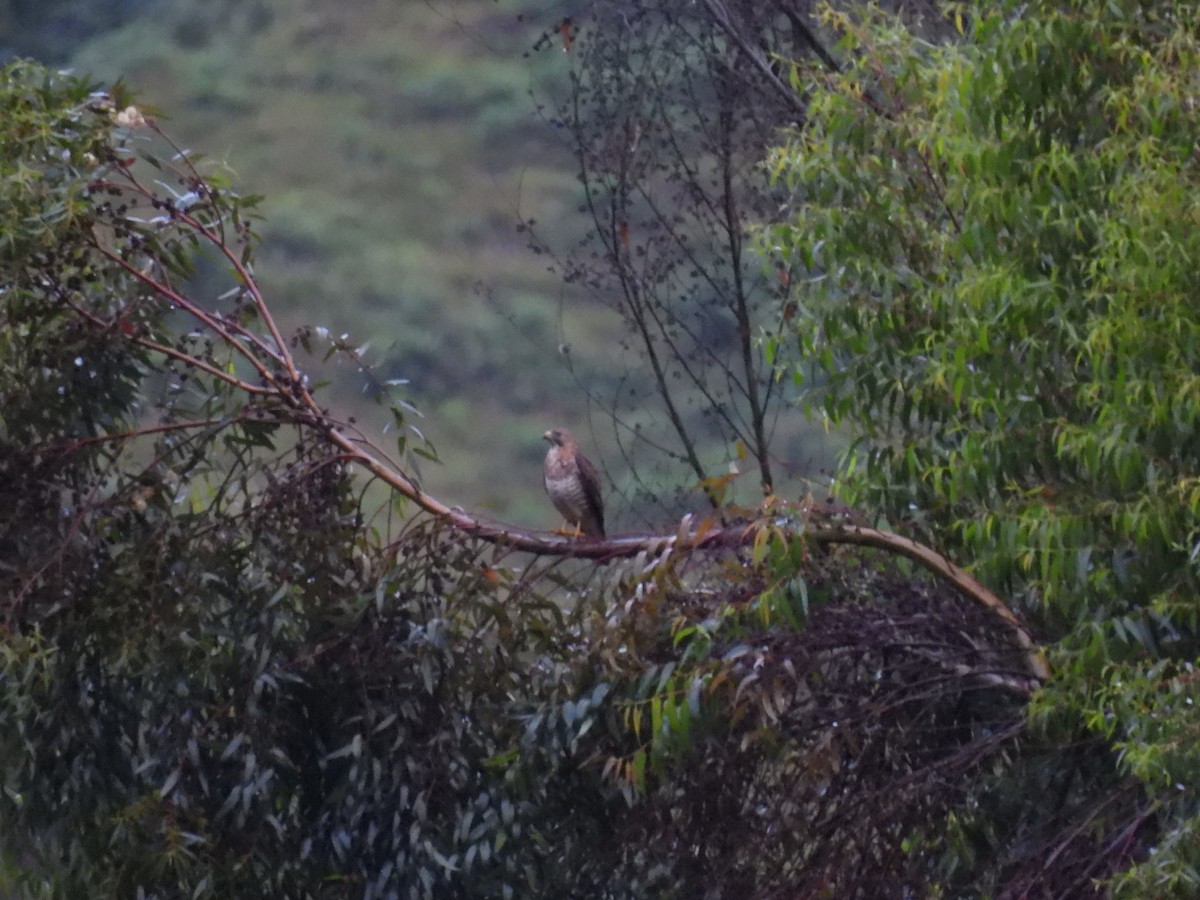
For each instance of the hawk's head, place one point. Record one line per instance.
(559, 437)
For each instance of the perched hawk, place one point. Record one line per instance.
(573, 484)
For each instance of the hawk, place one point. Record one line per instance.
(573, 484)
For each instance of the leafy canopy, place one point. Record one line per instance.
(1002, 235)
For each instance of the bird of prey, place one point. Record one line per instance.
(573, 484)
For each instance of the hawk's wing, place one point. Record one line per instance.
(589, 479)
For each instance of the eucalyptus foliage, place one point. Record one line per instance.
(1002, 245)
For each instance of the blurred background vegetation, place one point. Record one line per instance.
(398, 147)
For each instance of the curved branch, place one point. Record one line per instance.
(946, 570)
(687, 540)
